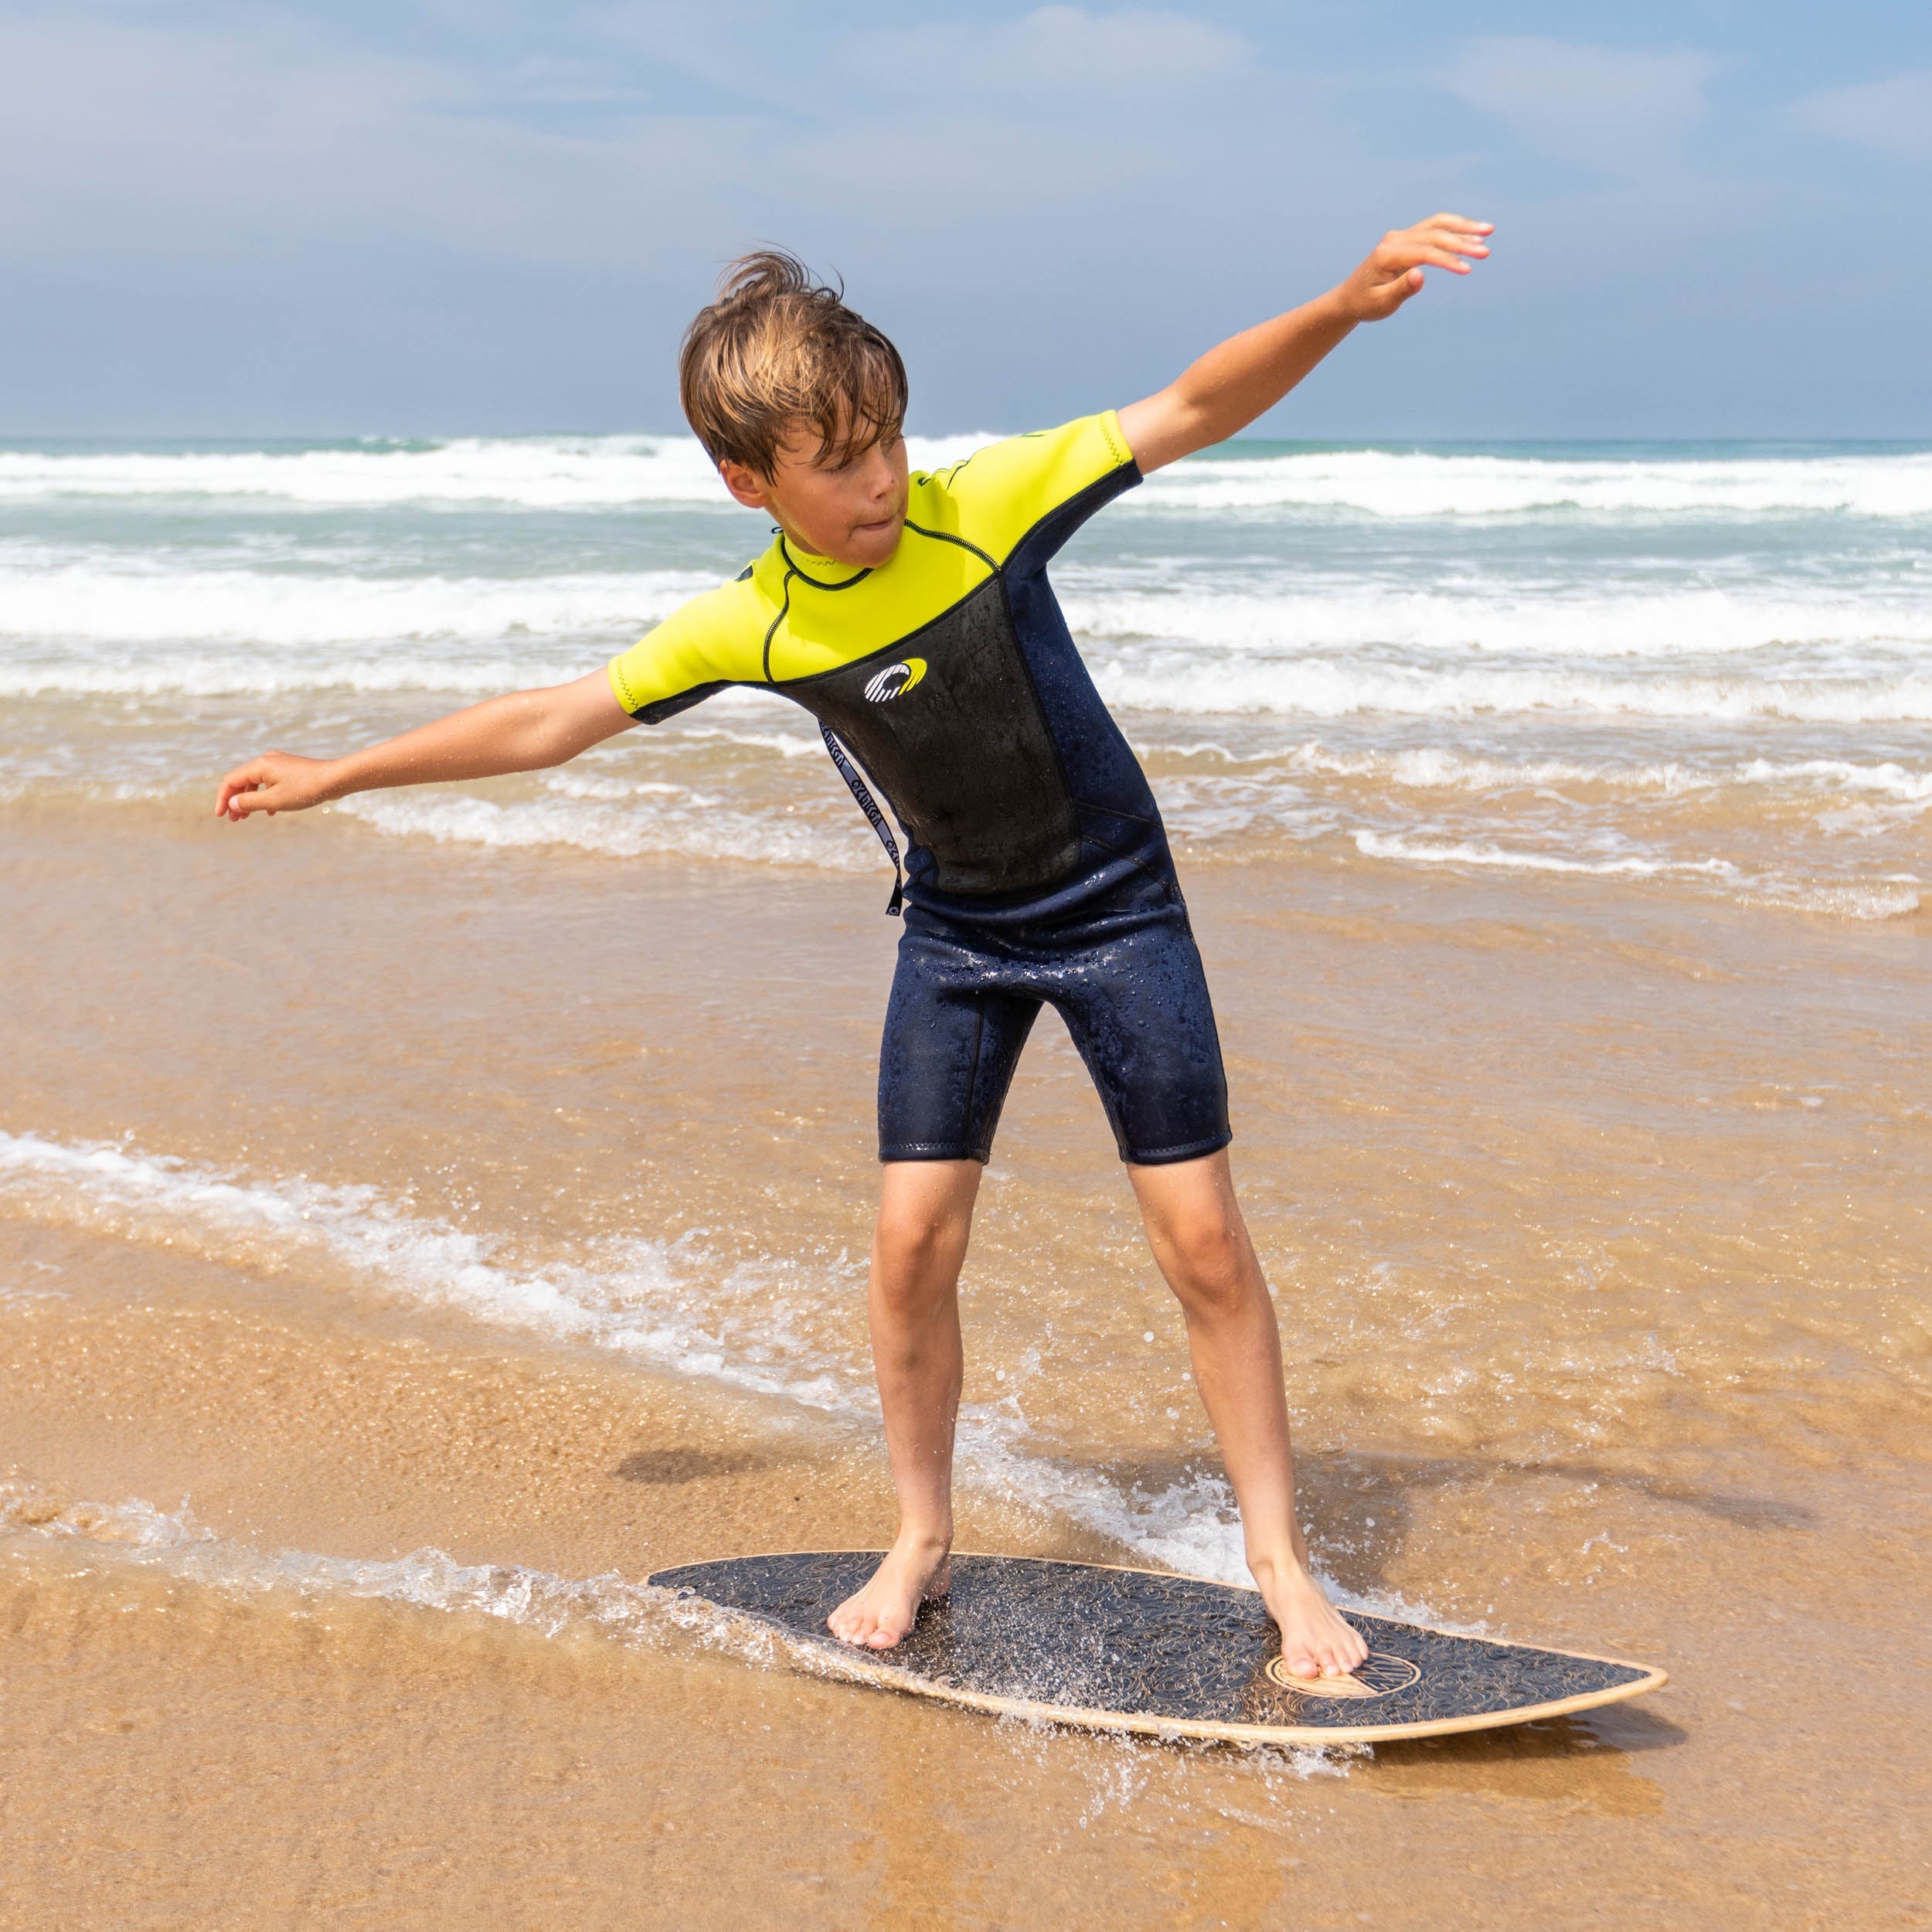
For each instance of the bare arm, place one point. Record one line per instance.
(1248, 374)
(524, 731)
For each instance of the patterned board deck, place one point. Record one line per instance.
(1136, 1650)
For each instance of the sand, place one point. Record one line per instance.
(361, 1197)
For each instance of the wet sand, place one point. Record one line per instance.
(1598, 1222)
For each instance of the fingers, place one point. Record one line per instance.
(1384, 298)
(1445, 241)
(275, 782)
(242, 780)
(1441, 251)
(1437, 258)
(242, 794)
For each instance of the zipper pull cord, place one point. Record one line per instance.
(869, 806)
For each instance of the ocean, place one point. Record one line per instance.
(420, 1219)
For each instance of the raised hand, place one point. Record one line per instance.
(1220, 395)
(277, 781)
(1393, 271)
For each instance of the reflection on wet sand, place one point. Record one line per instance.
(1573, 1761)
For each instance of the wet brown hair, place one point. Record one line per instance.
(778, 349)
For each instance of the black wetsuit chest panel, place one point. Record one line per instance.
(1000, 819)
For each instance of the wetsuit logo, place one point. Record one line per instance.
(896, 679)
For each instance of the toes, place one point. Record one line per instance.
(849, 1626)
(1301, 1664)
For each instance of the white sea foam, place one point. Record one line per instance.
(641, 1301)
(565, 472)
(669, 1304)
(1420, 483)
(218, 634)
(243, 673)
(1882, 899)
(125, 601)
(1502, 615)
(1376, 845)
(1437, 767)
(1523, 822)
(787, 744)
(1864, 899)
(135, 1535)
(540, 472)
(1838, 775)
(66, 602)
(1325, 688)
(670, 820)
(528, 472)
(141, 1536)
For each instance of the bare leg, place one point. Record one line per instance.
(1201, 1245)
(925, 1215)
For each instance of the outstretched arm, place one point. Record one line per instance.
(1249, 373)
(524, 731)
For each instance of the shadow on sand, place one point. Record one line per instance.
(669, 1468)
(1585, 1762)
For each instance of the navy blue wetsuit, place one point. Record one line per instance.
(1037, 869)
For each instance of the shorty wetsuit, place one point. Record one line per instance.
(1037, 869)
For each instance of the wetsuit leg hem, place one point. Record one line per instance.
(933, 1151)
(1173, 1156)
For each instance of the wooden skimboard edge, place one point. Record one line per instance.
(855, 1665)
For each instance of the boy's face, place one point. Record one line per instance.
(851, 512)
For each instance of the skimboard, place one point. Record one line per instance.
(1139, 1650)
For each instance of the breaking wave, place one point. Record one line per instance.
(600, 472)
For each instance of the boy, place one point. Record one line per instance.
(912, 616)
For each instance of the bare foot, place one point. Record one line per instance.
(915, 1571)
(1316, 1640)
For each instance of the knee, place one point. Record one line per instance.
(1210, 1265)
(910, 1242)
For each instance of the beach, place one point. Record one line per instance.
(421, 1219)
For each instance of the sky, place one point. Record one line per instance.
(445, 216)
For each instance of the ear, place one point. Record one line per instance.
(745, 484)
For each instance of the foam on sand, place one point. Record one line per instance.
(135, 1535)
(748, 1325)
(676, 822)
(1893, 898)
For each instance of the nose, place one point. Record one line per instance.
(879, 480)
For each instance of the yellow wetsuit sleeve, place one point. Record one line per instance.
(1001, 492)
(714, 640)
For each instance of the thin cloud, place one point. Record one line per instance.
(1894, 116)
(1064, 51)
(1599, 108)
(273, 137)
